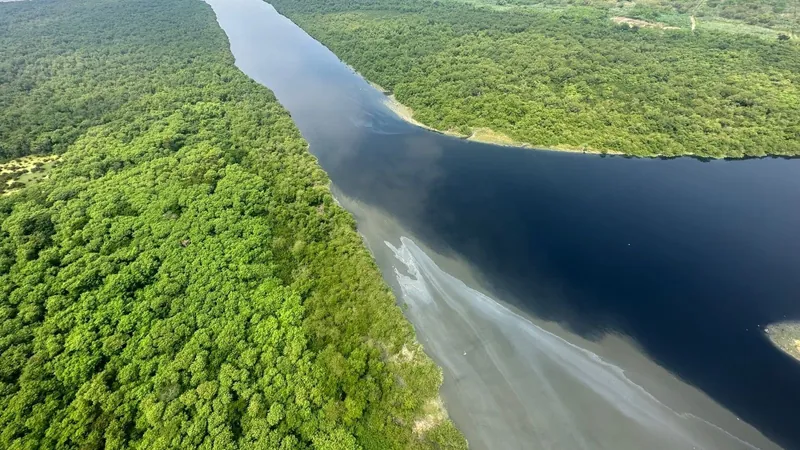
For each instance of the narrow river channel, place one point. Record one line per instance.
(573, 301)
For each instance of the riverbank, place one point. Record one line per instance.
(786, 336)
(482, 135)
(593, 99)
(516, 220)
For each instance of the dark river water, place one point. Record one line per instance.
(689, 260)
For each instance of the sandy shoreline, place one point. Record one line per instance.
(489, 136)
(482, 135)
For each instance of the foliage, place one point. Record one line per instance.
(569, 77)
(184, 278)
(780, 14)
(768, 13)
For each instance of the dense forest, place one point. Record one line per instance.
(779, 14)
(569, 77)
(183, 278)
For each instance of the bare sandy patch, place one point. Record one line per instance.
(642, 23)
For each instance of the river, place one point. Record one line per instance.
(573, 301)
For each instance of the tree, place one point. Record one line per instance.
(177, 281)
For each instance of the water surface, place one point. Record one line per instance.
(637, 289)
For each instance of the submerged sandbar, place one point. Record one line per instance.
(786, 336)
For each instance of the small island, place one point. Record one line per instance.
(786, 336)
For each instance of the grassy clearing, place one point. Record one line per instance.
(26, 171)
(730, 26)
(490, 136)
(630, 12)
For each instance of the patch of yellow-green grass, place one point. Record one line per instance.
(502, 5)
(583, 149)
(26, 171)
(621, 9)
(490, 136)
(734, 27)
(488, 4)
(433, 415)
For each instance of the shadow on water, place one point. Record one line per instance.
(689, 258)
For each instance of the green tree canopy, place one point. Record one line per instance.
(184, 278)
(569, 77)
